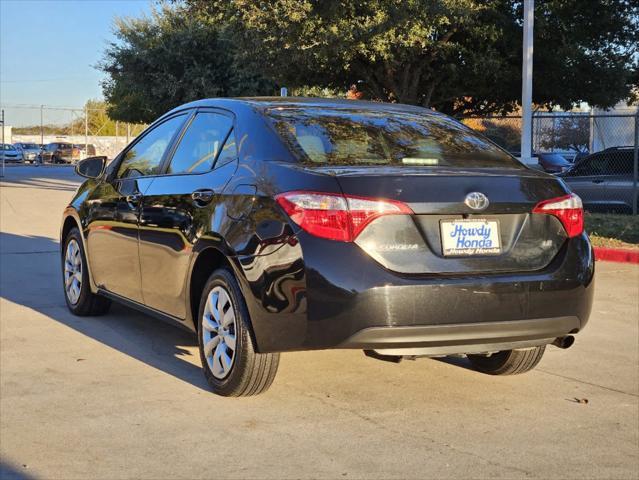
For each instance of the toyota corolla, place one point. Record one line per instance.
(269, 225)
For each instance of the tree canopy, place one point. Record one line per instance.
(169, 58)
(457, 56)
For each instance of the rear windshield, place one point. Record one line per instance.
(321, 136)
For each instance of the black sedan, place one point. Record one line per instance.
(268, 225)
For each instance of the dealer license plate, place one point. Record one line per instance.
(466, 237)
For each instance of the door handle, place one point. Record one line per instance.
(202, 197)
(134, 198)
(597, 180)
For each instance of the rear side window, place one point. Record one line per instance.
(322, 136)
(145, 157)
(621, 163)
(201, 144)
(608, 163)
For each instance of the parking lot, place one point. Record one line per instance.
(122, 396)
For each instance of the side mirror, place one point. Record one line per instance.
(91, 167)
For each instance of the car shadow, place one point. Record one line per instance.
(32, 279)
(39, 177)
(12, 472)
(457, 361)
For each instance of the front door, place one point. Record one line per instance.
(588, 180)
(114, 211)
(179, 207)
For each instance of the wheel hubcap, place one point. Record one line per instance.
(73, 271)
(218, 332)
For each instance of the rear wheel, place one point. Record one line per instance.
(508, 362)
(231, 365)
(75, 277)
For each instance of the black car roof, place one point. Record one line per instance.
(264, 103)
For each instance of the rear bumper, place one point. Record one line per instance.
(462, 338)
(333, 295)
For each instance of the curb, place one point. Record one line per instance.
(616, 255)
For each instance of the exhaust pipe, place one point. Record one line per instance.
(564, 342)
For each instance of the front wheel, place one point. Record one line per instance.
(508, 362)
(231, 365)
(75, 277)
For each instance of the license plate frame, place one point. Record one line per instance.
(472, 245)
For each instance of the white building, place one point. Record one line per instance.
(614, 127)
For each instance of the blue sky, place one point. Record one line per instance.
(48, 49)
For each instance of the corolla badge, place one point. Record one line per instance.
(476, 201)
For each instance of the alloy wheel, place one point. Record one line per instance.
(219, 332)
(73, 271)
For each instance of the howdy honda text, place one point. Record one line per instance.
(470, 237)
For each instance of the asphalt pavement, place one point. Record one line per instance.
(122, 396)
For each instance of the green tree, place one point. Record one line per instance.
(169, 58)
(459, 56)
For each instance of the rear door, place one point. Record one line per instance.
(619, 182)
(114, 210)
(179, 206)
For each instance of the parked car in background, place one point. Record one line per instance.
(604, 180)
(29, 151)
(10, 153)
(86, 150)
(553, 162)
(60, 152)
(280, 224)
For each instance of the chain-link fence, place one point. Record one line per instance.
(65, 134)
(596, 155)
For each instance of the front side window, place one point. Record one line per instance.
(201, 144)
(350, 136)
(145, 157)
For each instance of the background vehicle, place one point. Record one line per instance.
(29, 151)
(272, 225)
(60, 152)
(86, 150)
(553, 162)
(604, 180)
(10, 153)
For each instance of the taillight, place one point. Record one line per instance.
(568, 209)
(335, 216)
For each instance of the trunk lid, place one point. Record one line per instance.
(414, 244)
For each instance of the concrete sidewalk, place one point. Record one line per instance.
(122, 396)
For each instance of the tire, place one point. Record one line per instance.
(508, 362)
(231, 365)
(75, 279)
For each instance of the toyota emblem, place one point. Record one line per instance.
(476, 201)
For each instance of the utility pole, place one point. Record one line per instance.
(41, 124)
(526, 82)
(2, 120)
(86, 131)
(635, 168)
